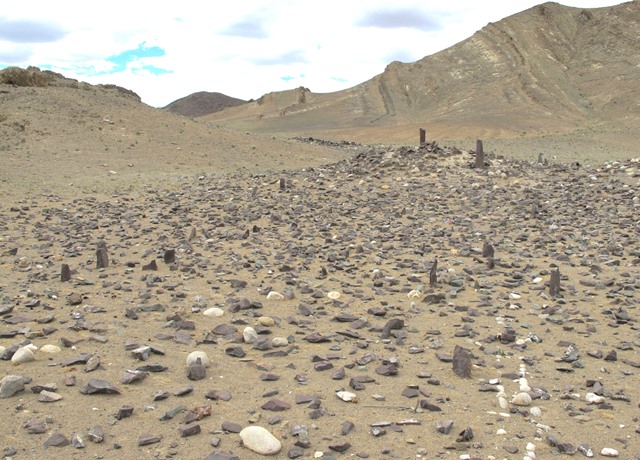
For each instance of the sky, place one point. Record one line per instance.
(244, 48)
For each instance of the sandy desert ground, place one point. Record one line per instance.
(350, 306)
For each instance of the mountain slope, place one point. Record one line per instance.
(74, 137)
(202, 103)
(550, 68)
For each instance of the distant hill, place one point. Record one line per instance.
(72, 137)
(202, 103)
(548, 69)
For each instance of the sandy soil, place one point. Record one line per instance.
(351, 244)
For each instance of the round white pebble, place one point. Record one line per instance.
(249, 334)
(213, 312)
(347, 396)
(333, 295)
(273, 295)
(194, 355)
(279, 342)
(593, 398)
(521, 399)
(48, 348)
(23, 355)
(524, 384)
(260, 440)
(609, 452)
(266, 321)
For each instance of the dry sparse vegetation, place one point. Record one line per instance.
(31, 76)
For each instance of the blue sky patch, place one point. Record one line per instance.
(289, 78)
(120, 62)
(156, 70)
(142, 51)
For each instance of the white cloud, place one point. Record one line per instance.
(244, 48)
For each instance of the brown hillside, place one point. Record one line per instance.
(202, 103)
(70, 138)
(549, 69)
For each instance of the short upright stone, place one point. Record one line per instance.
(462, 362)
(65, 273)
(433, 274)
(479, 155)
(554, 283)
(169, 256)
(102, 257)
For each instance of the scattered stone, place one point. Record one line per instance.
(387, 370)
(99, 386)
(133, 376)
(346, 428)
(56, 440)
(151, 266)
(391, 325)
(74, 299)
(221, 455)
(77, 441)
(197, 371)
(96, 434)
(189, 429)
(35, 426)
(171, 413)
(182, 391)
(10, 385)
(147, 439)
(444, 426)
(49, 396)
(216, 395)
(92, 364)
(160, 395)
(341, 447)
(276, 405)
(141, 353)
(465, 435)
(231, 427)
(124, 412)
(236, 352)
